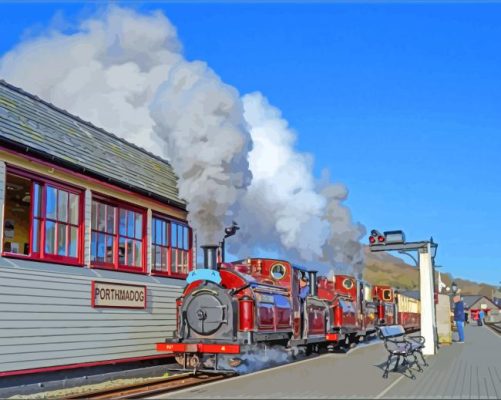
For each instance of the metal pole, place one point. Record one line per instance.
(428, 323)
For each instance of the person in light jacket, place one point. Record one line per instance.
(481, 316)
(459, 317)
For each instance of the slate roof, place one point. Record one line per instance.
(470, 299)
(32, 125)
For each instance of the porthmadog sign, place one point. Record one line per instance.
(117, 295)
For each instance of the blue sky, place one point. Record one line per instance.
(401, 102)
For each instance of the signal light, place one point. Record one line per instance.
(380, 239)
(372, 239)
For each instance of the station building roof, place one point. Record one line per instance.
(34, 126)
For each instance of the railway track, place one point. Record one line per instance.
(162, 385)
(496, 327)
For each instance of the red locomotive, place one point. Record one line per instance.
(233, 308)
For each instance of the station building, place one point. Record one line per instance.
(95, 242)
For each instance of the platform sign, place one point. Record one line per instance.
(118, 295)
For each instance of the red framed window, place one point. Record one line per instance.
(43, 219)
(171, 247)
(117, 240)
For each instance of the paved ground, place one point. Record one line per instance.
(470, 370)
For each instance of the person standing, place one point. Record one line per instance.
(481, 316)
(459, 317)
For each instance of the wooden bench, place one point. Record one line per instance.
(400, 345)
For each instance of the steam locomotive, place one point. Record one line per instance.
(232, 309)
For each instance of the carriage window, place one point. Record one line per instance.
(386, 294)
(42, 220)
(277, 271)
(117, 237)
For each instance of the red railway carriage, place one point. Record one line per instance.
(234, 308)
(409, 312)
(385, 300)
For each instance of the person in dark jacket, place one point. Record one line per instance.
(459, 317)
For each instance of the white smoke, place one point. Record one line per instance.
(295, 216)
(200, 121)
(261, 357)
(111, 71)
(125, 71)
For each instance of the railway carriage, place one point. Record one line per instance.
(409, 312)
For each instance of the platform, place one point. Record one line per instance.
(469, 370)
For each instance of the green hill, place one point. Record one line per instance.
(385, 269)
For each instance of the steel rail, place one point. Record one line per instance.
(495, 326)
(141, 390)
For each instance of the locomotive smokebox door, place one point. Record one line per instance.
(207, 313)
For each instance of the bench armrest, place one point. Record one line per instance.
(416, 339)
(392, 345)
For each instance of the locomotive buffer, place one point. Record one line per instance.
(426, 250)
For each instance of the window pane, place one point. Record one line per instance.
(186, 240)
(123, 222)
(109, 249)
(100, 247)
(173, 235)
(180, 237)
(130, 249)
(110, 218)
(138, 262)
(139, 226)
(50, 236)
(73, 241)
(155, 257)
(165, 233)
(173, 265)
(74, 212)
(94, 214)
(51, 200)
(61, 239)
(130, 223)
(62, 206)
(37, 199)
(121, 251)
(154, 230)
(101, 217)
(164, 260)
(16, 212)
(93, 247)
(36, 235)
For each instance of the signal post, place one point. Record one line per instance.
(395, 241)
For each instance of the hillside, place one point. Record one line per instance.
(385, 269)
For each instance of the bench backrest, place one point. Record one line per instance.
(391, 331)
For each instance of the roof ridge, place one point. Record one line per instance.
(88, 123)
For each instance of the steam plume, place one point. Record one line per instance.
(125, 71)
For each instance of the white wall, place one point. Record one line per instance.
(47, 318)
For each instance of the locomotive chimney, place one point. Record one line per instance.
(210, 256)
(313, 282)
